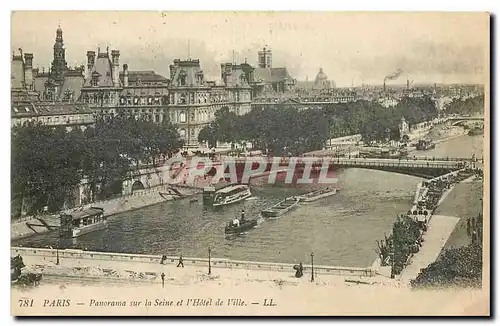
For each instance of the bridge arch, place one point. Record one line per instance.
(137, 185)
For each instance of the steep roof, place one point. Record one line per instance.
(271, 75)
(148, 76)
(73, 84)
(103, 67)
(43, 108)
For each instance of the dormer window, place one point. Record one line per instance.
(182, 78)
(199, 77)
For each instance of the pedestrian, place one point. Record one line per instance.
(162, 280)
(468, 227)
(181, 262)
(163, 259)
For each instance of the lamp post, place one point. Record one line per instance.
(57, 252)
(312, 267)
(209, 264)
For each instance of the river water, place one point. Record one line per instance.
(341, 230)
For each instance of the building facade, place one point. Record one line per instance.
(193, 101)
(68, 115)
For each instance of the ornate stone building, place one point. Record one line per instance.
(59, 83)
(193, 100)
(110, 91)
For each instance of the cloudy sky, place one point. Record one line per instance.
(350, 47)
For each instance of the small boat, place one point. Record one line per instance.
(317, 194)
(231, 194)
(82, 222)
(193, 200)
(244, 226)
(281, 208)
(425, 144)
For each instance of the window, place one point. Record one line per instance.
(150, 100)
(182, 117)
(95, 81)
(136, 100)
(129, 100)
(143, 100)
(122, 100)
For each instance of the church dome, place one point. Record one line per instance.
(321, 76)
(322, 81)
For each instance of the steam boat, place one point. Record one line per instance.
(231, 194)
(244, 225)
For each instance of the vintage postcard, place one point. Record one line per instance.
(250, 163)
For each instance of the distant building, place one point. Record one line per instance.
(267, 80)
(59, 83)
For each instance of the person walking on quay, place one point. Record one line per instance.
(163, 259)
(181, 262)
(468, 226)
(162, 280)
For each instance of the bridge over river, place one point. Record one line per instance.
(241, 170)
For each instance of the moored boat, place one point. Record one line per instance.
(317, 194)
(231, 194)
(246, 225)
(425, 144)
(82, 222)
(281, 208)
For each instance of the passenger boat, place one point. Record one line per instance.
(425, 144)
(231, 194)
(281, 208)
(317, 194)
(82, 222)
(244, 226)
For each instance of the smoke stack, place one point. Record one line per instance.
(384, 85)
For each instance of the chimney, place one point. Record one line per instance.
(115, 59)
(125, 75)
(28, 70)
(90, 62)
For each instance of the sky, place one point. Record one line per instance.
(352, 48)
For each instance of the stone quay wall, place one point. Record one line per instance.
(107, 259)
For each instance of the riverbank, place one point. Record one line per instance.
(139, 199)
(438, 226)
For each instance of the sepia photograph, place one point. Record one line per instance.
(238, 163)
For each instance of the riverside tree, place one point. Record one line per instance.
(48, 162)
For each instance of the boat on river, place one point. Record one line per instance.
(281, 208)
(244, 226)
(231, 194)
(317, 194)
(425, 144)
(82, 222)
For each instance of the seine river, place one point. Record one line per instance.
(341, 230)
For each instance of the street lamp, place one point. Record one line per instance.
(312, 267)
(209, 265)
(57, 252)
